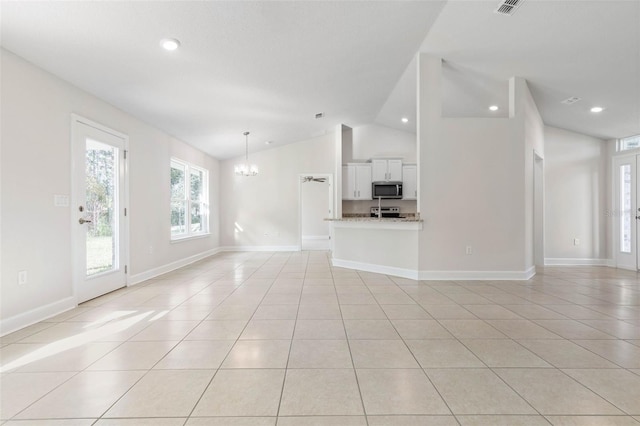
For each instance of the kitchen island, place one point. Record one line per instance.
(382, 245)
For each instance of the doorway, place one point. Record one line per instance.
(316, 205)
(99, 216)
(626, 211)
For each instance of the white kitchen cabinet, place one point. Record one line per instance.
(386, 170)
(410, 182)
(356, 182)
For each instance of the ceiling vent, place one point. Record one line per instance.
(570, 101)
(508, 7)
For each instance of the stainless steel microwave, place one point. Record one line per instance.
(386, 189)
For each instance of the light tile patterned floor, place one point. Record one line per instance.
(285, 339)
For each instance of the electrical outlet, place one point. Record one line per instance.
(469, 250)
(576, 241)
(150, 249)
(22, 277)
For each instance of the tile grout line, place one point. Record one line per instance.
(151, 369)
(293, 333)
(346, 335)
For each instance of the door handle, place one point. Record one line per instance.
(82, 221)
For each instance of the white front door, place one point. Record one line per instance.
(626, 211)
(98, 209)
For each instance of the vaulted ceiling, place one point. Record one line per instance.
(269, 67)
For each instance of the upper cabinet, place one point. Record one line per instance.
(386, 169)
(356, 182)
(410, 182)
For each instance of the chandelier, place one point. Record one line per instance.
(246, 169)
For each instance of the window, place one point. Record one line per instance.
(189, 200)
(631, 142)
(625, 208)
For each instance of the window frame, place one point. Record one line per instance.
(187, 200)
(622, 143)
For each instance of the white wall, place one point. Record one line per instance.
(36, 236)
(610, 225)
(373, 140)
(576, 176)
(525, 112)
(473, 177)
(262, 211)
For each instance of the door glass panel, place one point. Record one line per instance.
(625, 208)
(101, 205)
(178, 199)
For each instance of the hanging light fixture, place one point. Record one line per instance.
(246, 169)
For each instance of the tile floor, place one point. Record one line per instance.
(284, 338)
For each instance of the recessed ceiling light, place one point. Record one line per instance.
(493, 108)
(405, 120)
(170, 43)
(597, 109)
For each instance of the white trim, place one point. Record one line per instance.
(575, 262)
(96, 125)
(478, 275)
(260, 248)
(380, 269)
(41, 313)
(151, 273)
(192, 237)
(436, 275)
(626, 268)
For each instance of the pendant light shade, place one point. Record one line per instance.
(246, 169)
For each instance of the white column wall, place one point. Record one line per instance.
(474, 184)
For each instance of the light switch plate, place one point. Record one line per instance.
(61, 200)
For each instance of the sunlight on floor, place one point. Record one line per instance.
(83, 338)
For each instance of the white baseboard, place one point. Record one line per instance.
(38, 314)
(576, 262)
(478, 275)
(260, 248)
(316, 242)
(437, 275)
(151, 273)
(379, 269)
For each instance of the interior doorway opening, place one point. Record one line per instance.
(538, 210)
(316, 205)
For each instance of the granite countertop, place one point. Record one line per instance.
(365, 218)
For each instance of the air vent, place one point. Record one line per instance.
(508, 7)
(571, 101)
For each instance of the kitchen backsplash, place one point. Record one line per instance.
(364, 207)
